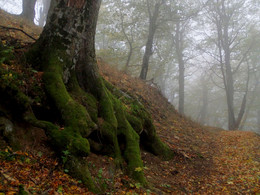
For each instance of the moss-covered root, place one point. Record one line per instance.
(109, 125)
(141, 119)
(131, 153)
(77, 122)
(75, 148)
(115, 126)
(152, 143)
(78, 168)
(141, 122)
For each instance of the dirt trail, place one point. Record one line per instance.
(236, 163)
(229, 163)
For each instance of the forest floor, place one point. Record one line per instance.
(207, 160)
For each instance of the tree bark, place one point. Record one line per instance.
(128, 57)
(89, 107)
(181, 64)
(258, 121)
(28, 10)
(149, 44)
(204, 110)
(229, 75)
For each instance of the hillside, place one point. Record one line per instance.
(207, 160)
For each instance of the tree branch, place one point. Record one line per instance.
(17, 29)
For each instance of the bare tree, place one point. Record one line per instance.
(28, 10)
(153, 17)
(202, 117)
(258, 120)
(230, 28)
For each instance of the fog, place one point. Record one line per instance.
(204, 55)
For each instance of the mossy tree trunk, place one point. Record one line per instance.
(90, 110)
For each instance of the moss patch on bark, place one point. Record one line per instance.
(120, 122)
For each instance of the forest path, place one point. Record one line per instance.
(227, 162)
(222, 162)
(236, 163)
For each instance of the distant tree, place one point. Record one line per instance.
(258, 121)
(254, 90)
(120, 32)
(153, 25)
(230, 27)
(129, 23)
(182, 18)
(28, 10)
(203, 114)
(44, 11)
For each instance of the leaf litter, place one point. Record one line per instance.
(207, 160)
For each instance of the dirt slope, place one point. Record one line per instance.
(207, 160)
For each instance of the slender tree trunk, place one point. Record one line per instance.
(129, 41)
(258, 121)
(129, 57)
(179, 51)
(204, 109)
(28, 10)
(44, 12)
(251, 102)
(230, 82)
(149, 44)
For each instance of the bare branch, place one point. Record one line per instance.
(17, 29)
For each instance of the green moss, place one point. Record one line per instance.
(73, 113)
(11, 94)
(22, 191)
(78, 168)
(68, 140)
(87, 100)
(131, 153)
(148, 135)
(77, 122)
(135, 122)
(106, 108)
(109, 124)
(6, 53)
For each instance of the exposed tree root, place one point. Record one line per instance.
(110, 123)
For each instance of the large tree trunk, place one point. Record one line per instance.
(28, 10)
(88, 106)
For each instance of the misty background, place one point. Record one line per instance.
(204, 56)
